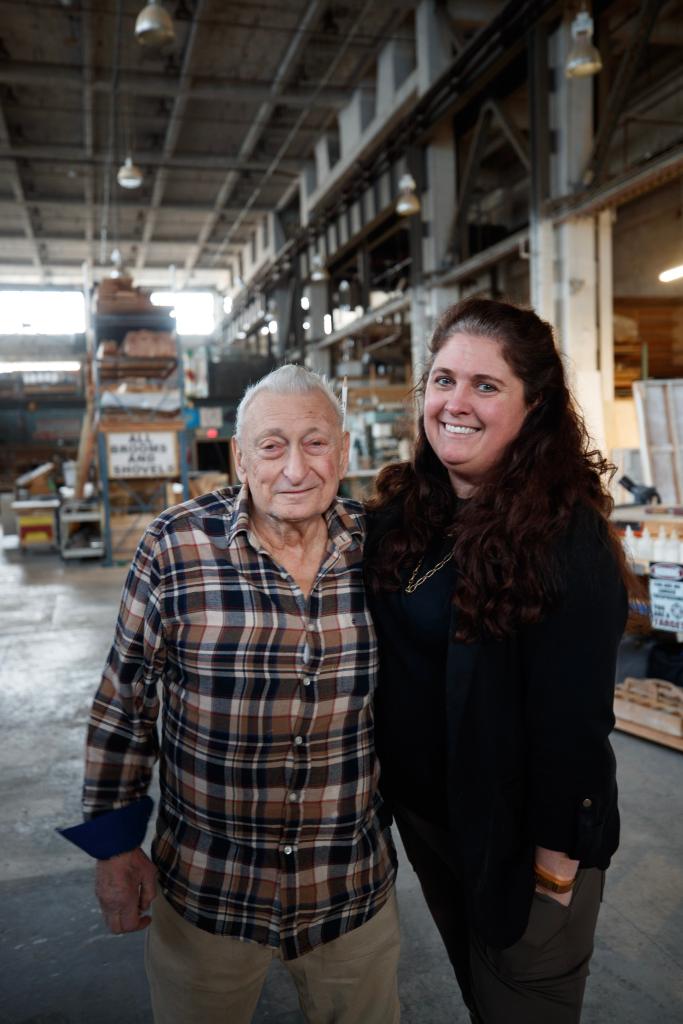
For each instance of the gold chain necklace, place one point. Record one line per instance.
(413, 583)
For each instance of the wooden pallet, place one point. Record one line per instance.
(651, 709)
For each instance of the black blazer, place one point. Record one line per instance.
(529, 760)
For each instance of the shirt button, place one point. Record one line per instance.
(307, 681)
(293, 797)
(587, 802)
(298, 740)
(288, 850)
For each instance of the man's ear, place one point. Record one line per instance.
(238, 460)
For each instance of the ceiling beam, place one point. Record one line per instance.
(151, 158)
(344, 46)
(12, 171)
(126, 240)
(71, 273)
(254, 134)
(628, 66)
(88, 138)
(172, 134)
(73, 205)
(202, 87)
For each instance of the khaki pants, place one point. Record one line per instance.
(196, 977)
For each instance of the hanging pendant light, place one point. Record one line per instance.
(118, 266)
(318, 270)
(154, 25)
(584, 59)
(408, 202)
(129, 174)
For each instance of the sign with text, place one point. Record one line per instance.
(666, 596)
(142, 453)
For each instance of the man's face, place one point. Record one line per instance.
(291, 455)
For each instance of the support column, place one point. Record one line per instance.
(433, 43)
(571, 110)
(606, 303)
(319, 360)
(439, 200)
(542, 268)
(541, 235)
(578, 320)
(420, 329)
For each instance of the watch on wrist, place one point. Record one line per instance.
(551, 882)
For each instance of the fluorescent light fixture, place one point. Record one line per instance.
(672, 274)
(327, 323)
(40, 367)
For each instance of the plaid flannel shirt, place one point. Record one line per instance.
(267, 827)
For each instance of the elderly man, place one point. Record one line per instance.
(248, 610)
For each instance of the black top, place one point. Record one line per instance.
(528, 720)
(411, 734)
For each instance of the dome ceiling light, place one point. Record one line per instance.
(318, 270)
(154, 25)
(584, 59)
(129, 174)
(408, 202)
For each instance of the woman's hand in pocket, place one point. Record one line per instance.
(564, 898)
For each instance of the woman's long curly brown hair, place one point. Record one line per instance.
(505, 536)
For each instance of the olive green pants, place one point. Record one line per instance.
(196, 977)
(542, 977)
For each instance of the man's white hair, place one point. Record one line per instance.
(289, 379)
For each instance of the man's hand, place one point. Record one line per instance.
(125, 887)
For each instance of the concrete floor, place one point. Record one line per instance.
(60, 966)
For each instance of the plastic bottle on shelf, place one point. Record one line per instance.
(644, 549)
(629, 540)
(659, 546)
(671, 548)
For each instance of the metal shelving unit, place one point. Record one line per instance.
(141, 448)
(85, 515)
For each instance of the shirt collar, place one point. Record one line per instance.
(344, 527)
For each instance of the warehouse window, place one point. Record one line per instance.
(194, 311)
(26, 311)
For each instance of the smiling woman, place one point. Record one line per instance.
(474, 407)
(497, 591)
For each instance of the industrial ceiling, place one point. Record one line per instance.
(221, 122)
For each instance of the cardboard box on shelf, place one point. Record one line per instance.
(109, 286)
(36, 482)
(146, 344)
(107, 348)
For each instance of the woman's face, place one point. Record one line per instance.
(474, 406)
